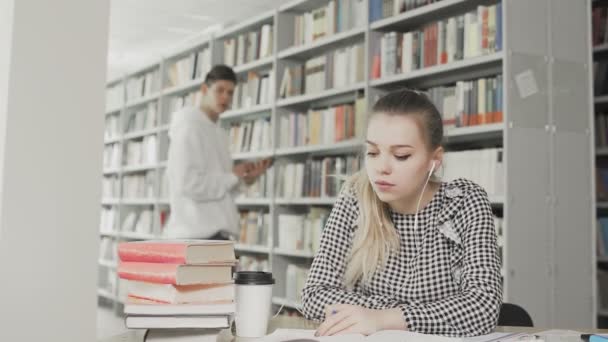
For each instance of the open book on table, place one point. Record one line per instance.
(303, 335)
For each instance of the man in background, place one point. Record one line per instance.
(202, 178)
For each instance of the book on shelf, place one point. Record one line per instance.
(302, 232)
(199, 295)
(111, 156)
(164, 183)
(139, 185)
(295, 279)
(483, 166)
(111, 127)
(253, 263)
(108, 219)
(255, 90)
(316, 177)
(249, 46)
(381, 9)
(602, 237)
(138, 221)
(601, 129)
(115, 96)
(107, 249)
(601, 180)
(177, 102)
(191, 67)
(143, 118)
(335, 17)
(250, 135)
(599, 25)
(260, 188)
(600, 80)
(334, 69)
(110, 187)
(602, 280)
(469, 103)
(142, 151)
(142, 85)
(473, 34)
(323, 126)
(178, 252)
(254, 226)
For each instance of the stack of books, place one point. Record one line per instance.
(181, 285)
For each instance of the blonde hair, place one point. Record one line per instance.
(376, 237)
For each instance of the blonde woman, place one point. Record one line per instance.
(401, 249)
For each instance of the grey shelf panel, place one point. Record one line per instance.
(321, 45)
(143, 100)
(184, 88)
(424, 14)
(340, 147)
(242, 112)
(469, 68)
(309, 98)
(140, 134)
(138, 168)
(259, 64)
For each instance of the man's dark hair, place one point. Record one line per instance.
(220, 72)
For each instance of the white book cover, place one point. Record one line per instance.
(451, 39)
(175, 322)
(406, 52)
(299, 179)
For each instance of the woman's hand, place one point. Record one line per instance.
(349, 319)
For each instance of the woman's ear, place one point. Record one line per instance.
(437, 158)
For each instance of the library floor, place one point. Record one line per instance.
(108, 322)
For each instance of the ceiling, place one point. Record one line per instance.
(142, 30)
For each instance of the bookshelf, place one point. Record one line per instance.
(536, 178)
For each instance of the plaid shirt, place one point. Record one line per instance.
(445, 278)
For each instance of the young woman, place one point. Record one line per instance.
(401, 249)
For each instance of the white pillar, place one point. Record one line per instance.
(52, 76)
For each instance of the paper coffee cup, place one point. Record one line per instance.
(253, 299)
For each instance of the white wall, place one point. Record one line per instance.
(52, 75)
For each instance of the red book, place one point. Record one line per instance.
(178, 252)
(434, 47)
(350, 113)
(484, 29)
(339, 133)
(175, 274)
(376, 62)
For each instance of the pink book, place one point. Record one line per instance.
(178, 252)
(175, 274)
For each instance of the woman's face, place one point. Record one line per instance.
(397, 159)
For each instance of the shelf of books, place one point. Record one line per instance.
(308, 73)
(600, 88)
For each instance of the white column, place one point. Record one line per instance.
(52, 76)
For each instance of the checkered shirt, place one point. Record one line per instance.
(446, 277)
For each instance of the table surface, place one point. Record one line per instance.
(286, 322)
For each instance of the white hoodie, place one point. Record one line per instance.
(200, 178)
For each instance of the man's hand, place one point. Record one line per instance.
(351, 319)
(243, 170)
(255, 169)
